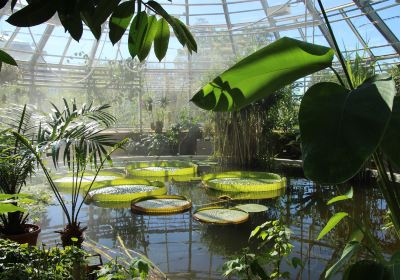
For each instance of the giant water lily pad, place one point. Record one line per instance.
(162, 204)
(122, 190)
(68, 180)
(252, 207)
(218, 215)
(244, 181)
(162, 168)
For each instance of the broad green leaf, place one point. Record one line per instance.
(103, 10)
(35, 13)
(366, 269)
(6, 58)
(72, 23)
(161, 39)
(333, 221)
(346, 196)
(340, 129)
(9, 208)
(3, 3)
(148, 38)
(349, 250)
(390, 142)
(262, 73)
(137, 33)
(120, 20)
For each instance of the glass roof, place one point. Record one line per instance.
(225, 31)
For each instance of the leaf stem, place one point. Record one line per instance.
(338, 52)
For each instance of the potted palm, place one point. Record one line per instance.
(16, 166)
(74, 135)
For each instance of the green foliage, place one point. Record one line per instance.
(6, 58)
(276, 65)
(74, 14)
(273, 244)
(20, 262)
(333, 221)
(16, 166)
(348, 195)
(116, 270)
(340, 129)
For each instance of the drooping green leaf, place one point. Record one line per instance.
(349, 250)
(6, 58)
(70, 19)
(10, 208)
(161, 39)
(137, 33)
(183, 34)
(120, 20)
(333, 221)
(3, 3)
(390, 142)
(34, 13)
(262, 73)
(366, 269)
(103, 10)
(148, 38)
(340, 129)
(346, 196)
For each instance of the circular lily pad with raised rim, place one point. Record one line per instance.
(161, 204)
(244, 181)
(252, 207)
(162, 168)
(67, 180)
(125, 190)
(221, 216)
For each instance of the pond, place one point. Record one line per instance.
(186, 249)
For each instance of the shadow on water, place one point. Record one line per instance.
(186, 249)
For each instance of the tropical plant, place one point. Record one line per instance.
(16, 166)
(361, 241)
(342, 126)
(29, 262)
(78, 132)
(273, 245)
(144, 29)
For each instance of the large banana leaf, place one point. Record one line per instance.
(340, 129)
(260, 74)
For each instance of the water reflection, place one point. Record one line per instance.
(186, 249)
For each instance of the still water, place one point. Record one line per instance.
(186, 249)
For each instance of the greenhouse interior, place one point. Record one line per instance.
(200, 139)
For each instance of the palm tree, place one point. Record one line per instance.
(74, 135)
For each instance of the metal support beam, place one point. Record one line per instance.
(94, 49)
(189, 57)
(271, 20)
(12, 37)
(229, 25)
(359, 37)
(316, 15)
(40, 46)
(379, 24)
(65, 51)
